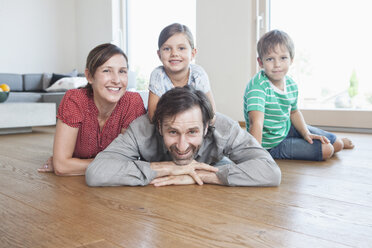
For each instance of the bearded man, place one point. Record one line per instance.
(180, 146)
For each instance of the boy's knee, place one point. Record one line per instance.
(338, 145)
(327, 151)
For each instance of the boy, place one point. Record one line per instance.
(270, 107)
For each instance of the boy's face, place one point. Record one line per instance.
(276, 64)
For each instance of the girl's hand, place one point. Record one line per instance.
(47, 167)
(310, 137)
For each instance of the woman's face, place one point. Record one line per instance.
(110, 80)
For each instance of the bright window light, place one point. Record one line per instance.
(332, 63)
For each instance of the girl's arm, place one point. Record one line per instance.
(256, 120)
(211, 99)
(153, 101)
(64, 145)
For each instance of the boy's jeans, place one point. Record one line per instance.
(295, 147)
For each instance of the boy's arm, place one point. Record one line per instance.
(256, 120)
(299, 123)
(152, 102)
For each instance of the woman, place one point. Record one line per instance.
(89, 119)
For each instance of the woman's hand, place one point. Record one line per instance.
(47, 166)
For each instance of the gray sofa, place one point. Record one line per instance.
(29, 88)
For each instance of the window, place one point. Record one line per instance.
(333, 55)
(146, 19)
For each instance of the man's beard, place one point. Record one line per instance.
(183, 160)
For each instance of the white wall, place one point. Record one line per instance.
(56, 36)
(225, 33)
(51, 35)
(94, 26)
(37, 36)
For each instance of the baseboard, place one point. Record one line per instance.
(332, 129)
(345, 129)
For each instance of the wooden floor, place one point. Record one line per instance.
(318, 204)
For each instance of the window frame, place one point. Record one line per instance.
(344, 120)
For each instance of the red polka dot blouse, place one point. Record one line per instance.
(78, 110)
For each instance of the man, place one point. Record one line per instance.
(180, 147)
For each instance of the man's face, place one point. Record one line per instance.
(183, 135)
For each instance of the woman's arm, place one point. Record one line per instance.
(64, 145)
(256, 120)
(153, 101)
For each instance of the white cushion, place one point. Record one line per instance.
(67, 83)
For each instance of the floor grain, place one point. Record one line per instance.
(318, 204)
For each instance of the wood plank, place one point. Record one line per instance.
(25, 226)
(318, 204)
(100, 244)
(109, 214)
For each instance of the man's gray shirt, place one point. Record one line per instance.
(126, 161)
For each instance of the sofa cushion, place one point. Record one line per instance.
(25, 97)
(67, 83)
(33, 82)
(55, 97)
(46, 80)
(56, 77)
(13, 80)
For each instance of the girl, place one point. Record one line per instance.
(91, 117)
(176, 51)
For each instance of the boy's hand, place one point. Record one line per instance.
(310, 137)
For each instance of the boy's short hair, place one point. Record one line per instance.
(270, 40)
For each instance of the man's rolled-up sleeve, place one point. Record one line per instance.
(118, 165)
(253, 166)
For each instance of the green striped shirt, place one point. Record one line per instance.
(261, 95)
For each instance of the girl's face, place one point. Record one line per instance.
(176, 54)
(110, 80)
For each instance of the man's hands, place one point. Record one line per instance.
(195, 172)
(173, 180)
